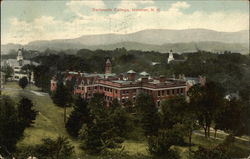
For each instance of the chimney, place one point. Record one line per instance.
(144, 79)
(131, 75)
(162, 79)
(121, 77)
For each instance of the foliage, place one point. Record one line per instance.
(78, 117)
(23, 82)
(42, 77)
(10, 127)
(56, 149)
(160, 145)
(59, 148)
(203, 153)
(26, 113)
(62, 96)
(8, 71)
(107, 128)
(148, 113)
(231, 118)
(206, 102)
(177, 112)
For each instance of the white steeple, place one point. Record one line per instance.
(20, 57)
(170, 57)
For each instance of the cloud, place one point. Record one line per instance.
(180, 5)
(134, 4)
(48, 27)
(81, 7)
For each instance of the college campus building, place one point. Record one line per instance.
(17, 64)
(125, 87)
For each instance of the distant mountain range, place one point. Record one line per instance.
(161, 40)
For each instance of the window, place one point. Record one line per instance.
(116, 91)
(178, 91)
(162, 92)
(173, 91)
(182, 90)
(100, 87)
(168, 92)
(159, 93)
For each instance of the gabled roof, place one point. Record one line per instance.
(144, 73)
(131, 71)
(108, 61)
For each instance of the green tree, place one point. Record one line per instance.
(206, 102)
(231, 117)
(62, 97)
(106, 130)
(42, 77)
(23, 82)
(148, 113)
(78, 117)
(159, 146)
(10, 129)
(26, 112)
(177, 110)
(55, 149)
(8, 72)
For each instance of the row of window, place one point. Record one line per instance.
(172, 91)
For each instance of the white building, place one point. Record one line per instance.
(17, 64)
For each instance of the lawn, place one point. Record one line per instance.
(49, 123)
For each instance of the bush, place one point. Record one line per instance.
(214, 153)
(23, 82)
(159, 146)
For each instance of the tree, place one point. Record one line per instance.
(23, 82)
(62, 97)
(177, 112)
(42, 77)
(8, 72)
(26, 113)
(78, 117)
(159, 146)
(55, 149)
(231, 118)
(148, 114)
(107, 128)
(10, 129)
(206, 102)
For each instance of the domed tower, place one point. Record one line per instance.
(171, 56)
(20, 57)
(108, 67)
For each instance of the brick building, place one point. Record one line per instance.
(124, 87)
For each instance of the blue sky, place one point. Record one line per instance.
(25, 21)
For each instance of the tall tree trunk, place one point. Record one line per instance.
(215, 133)
(208, 131)
(64, 114)
(190, 141)
(205, 131)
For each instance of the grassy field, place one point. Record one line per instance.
(49, 123)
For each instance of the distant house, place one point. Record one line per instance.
(17, 64)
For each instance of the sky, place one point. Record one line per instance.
(25, 21)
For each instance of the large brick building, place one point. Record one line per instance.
(125, 87)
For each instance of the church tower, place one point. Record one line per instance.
(108, 67)
(20, 57)
(171, 56)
